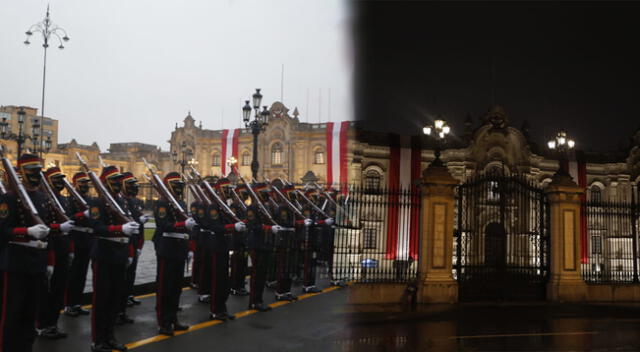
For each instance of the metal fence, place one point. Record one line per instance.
(376, 235)
(612, 242)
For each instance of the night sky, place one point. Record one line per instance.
(573, 66)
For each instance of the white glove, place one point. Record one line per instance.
(240, 226)
(38, 231)
(144, 218)
(276, 228)
(190, 256)
(67, 226)
(308, 222)
(49, 272)
(71, 256)
(86, 213)
(138, 253)
(129, 261)
(189, 223)
(329, 221)
(130, 228)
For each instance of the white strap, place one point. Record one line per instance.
(182, 236)
(33, 244)
(115, 239)
(83, 229)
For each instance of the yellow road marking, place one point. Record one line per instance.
(526, 334)
(216, 322)
(88, 306)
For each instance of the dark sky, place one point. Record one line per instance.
(572, 65)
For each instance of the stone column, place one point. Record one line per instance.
(435, 278)
(565, 282)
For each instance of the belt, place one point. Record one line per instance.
(115, 239)
(33, 244)
(182, 236)
(83, 229)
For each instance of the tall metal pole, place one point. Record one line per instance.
(44, 82)
(255, 129)
(634, 233)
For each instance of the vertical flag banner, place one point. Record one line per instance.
(229, 146)
(337, 135)
(404, 207)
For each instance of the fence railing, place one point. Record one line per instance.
(376, 235)
(612, 242)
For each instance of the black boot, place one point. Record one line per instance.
(259, 307)
(180, 327)
(115, 345)
(166, 330)
(101, 347)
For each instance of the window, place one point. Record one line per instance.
(372, 181)
(493, 191)
(318, 156)
(369, 240)
(216, 159)
(276, 154)
(246, 159)
(595, 194)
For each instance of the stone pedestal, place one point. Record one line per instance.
(565, 283)
(435, 278)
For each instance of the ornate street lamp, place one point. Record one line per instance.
(257, 125)
(21, 137)
(47, 29)
(562, 145)
(439, 131)
(184, 157)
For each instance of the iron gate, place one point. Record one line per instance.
(502, 238)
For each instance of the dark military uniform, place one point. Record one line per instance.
(171, 241)
(239, 266)
(82, 241)
(52, 299)
(197, 212)
(136, 241)
(260, 242)
(286, 245)
(109, 263)
(216, 243)
(23, 262)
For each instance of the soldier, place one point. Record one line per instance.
(81, 242)
(239, 257)
(285, 247)
(215, 231)
(51, 300)
(173, 248)
(260, 244)
(130, 190)
(197, 212)
(24, 259)
(311, 246)
(110, 257)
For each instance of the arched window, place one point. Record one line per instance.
(318, 156)
(246, 158)
(216, 159)
(276, 154)
(372, 181)
(595, 194)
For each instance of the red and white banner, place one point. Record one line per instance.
(229, 148)
(337, 148)
(403, 214)
(577, 168)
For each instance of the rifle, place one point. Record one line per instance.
(313, 205)
(256, 199)
(288, 203)
(16, 185)
(82, 204)
(165, 193)
(237, 199)
(57, 208)
(198, 190)
(191, 187)
(2, 189)
(215, 196)
(119, 214)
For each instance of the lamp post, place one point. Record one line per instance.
(562, 145)
(232, 176)
(183, 158)
(47, 29)
(439, 131)
(257, 125)
(21, 137)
